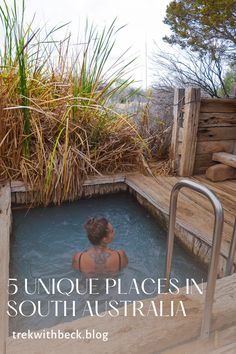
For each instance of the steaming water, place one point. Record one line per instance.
(46, 238)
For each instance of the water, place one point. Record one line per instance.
(45, 240)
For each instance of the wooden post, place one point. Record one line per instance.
(178, 104)
(190, 129)
(225, 158)
(5, 227)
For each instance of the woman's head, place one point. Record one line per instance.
(99, 230)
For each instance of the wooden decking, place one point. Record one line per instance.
(195, 213)
(220, 342)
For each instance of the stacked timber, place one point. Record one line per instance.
(216, 132)
(220, 172)
(225, 158)
(226, 169)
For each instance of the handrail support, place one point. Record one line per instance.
(217, 236)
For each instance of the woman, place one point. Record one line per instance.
(99, 258)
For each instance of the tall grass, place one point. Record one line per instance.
(15, 52)
(56, 124)
(19, 56)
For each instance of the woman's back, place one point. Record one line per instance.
(100, 260)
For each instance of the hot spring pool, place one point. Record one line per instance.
(45, 239)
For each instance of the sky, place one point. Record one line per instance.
(144, 20)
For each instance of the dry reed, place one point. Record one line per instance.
(63, 152)
(56, 127)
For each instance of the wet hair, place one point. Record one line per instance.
(96, 229)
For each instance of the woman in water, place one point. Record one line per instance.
(99, 258)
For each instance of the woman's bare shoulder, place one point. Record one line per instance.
(124, 258)
(122, 252)
(75, 259)
(76, 255)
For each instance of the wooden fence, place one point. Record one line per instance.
(200, 128)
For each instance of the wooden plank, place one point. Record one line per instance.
(178, 104)
(158, 190)
(97, 180)
(190, 128)
(204, 147)
(225, 158)
(19, 186)
(157, 332)
(217, 119)
(220, 342)
(228, 188)
(5, 227)
(220, 172)
(208, 147)
(216, 105)
(216, 133)
(228, 200)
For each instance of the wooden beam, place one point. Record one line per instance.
(220, 172)
(5, 228)
(225, 158)
(217, 105)
(190, 128)
(216, 133)
(177, 111)
(206, 147)
(217, 119)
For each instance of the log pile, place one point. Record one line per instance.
(224, 170)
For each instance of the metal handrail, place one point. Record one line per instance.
(217, 235)
(232, 250)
